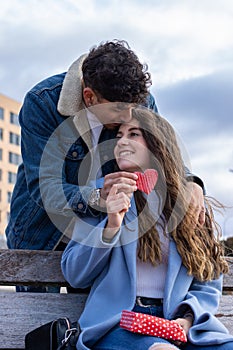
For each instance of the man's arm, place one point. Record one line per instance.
(45, 144)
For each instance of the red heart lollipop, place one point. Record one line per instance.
(146, 181)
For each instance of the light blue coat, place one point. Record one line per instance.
(111, 271)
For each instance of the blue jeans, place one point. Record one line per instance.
(225, 346)
(121, 339)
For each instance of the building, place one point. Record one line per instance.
(10, 156)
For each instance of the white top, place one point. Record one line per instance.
(150, 279)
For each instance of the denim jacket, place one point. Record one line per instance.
(51, 189)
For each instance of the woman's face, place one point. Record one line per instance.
(131, 151)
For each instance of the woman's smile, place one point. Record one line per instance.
(131, 150)
(125, 153)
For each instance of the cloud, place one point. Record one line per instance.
(204, 102)
(201, 110)
(178, 39)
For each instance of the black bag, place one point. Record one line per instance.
(56, 335)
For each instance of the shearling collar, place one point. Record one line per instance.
(70, 100)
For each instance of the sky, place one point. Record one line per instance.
(187, 44)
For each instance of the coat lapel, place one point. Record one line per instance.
(82, 125)
(177, 281)
(129, 240)
(174, 265)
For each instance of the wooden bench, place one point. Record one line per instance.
(22, 312)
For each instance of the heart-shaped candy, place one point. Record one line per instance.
(146, 181)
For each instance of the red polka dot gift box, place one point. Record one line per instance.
(151, 325)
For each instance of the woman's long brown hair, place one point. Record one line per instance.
(199, 246)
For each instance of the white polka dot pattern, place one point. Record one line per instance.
(152, 325)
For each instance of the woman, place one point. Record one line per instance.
(147, 254)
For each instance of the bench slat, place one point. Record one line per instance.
(43, 267)
(30, 267)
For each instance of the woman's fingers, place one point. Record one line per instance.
(125, 180)
(117, 201)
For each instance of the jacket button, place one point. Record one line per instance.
(80, 206)
(74, 154)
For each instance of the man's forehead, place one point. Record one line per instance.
(123, 105)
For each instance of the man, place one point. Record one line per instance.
(58, 130)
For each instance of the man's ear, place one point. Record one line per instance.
(90, 97)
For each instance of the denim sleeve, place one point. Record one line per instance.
(194, 178)
(44, 137)
(151, 104)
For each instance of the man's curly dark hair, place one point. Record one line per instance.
(113, 71)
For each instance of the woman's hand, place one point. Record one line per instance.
(125, 180)
(197, 202)
(117, 204)
(186, 324)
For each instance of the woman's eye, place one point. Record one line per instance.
(134, 134)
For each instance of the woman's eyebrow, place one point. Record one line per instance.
(130, 129)
(134, 128)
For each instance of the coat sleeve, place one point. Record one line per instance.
(86, 255)
(203, 298)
